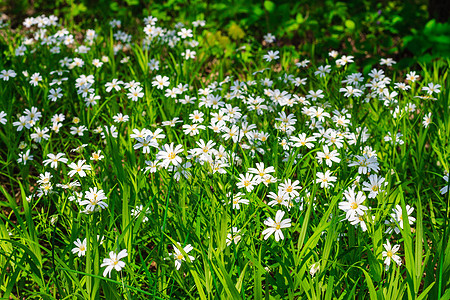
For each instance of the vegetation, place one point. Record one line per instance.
(178, 152)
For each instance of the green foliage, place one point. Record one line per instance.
(156, 214)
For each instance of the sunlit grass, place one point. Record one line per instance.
(144, 167)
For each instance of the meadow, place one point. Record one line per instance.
(174, 160)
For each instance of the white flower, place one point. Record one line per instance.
(344, 60)
(185, 33)
(169, 155)
(94, 198)
(114, 262)
(315, 267)
(280, 198)
(375, 185)
(444, 190)
(161, 82)
(398, 215)
(145, 143)
(121, 118)
(238, 200)
(180, 256)
(325, 179)
(302, 140)
(271, 55)
(353, 206)
(55, 94)
(79, 168)
(234, 133)
(322, 71)
(233, 236)
(80, 248)
(97, 155)
(115, 84)
(24, 157)
(35, 78)
(248, 181)
(411, 76)
(40, 134)
(432, 88)
(426, 120)
(365, 164)
(276, 226)
(3, 117)
(135, 212)
(390, 254)
(6, 74)
(387, 61)
(350, 91)
(54, 159)
(189, 54)
(135, 93)
(260, 170)
(329, 157)
(290, 188)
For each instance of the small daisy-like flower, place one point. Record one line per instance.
(35, 79)
(188, 54)
(180, 256)
(387, 61)
(325, 179)
(94, 200)
(119, 118)
(353, 206)
(115, 84)
(389, 253)
(276, 225)
(290, 188)
(96, 156)
(374, 186)
(78, 168)
(169, 155)
(114, 262)
(248, 182)
(161, 82)
(54, 159)
(80, 248)
(426, 120)
(233, 236)
(432, 88)
(271, 55)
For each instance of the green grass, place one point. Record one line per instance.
(190, 204)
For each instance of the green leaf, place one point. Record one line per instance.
(372, 292)
(350, 25)
(299, 19)
(269, 6)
